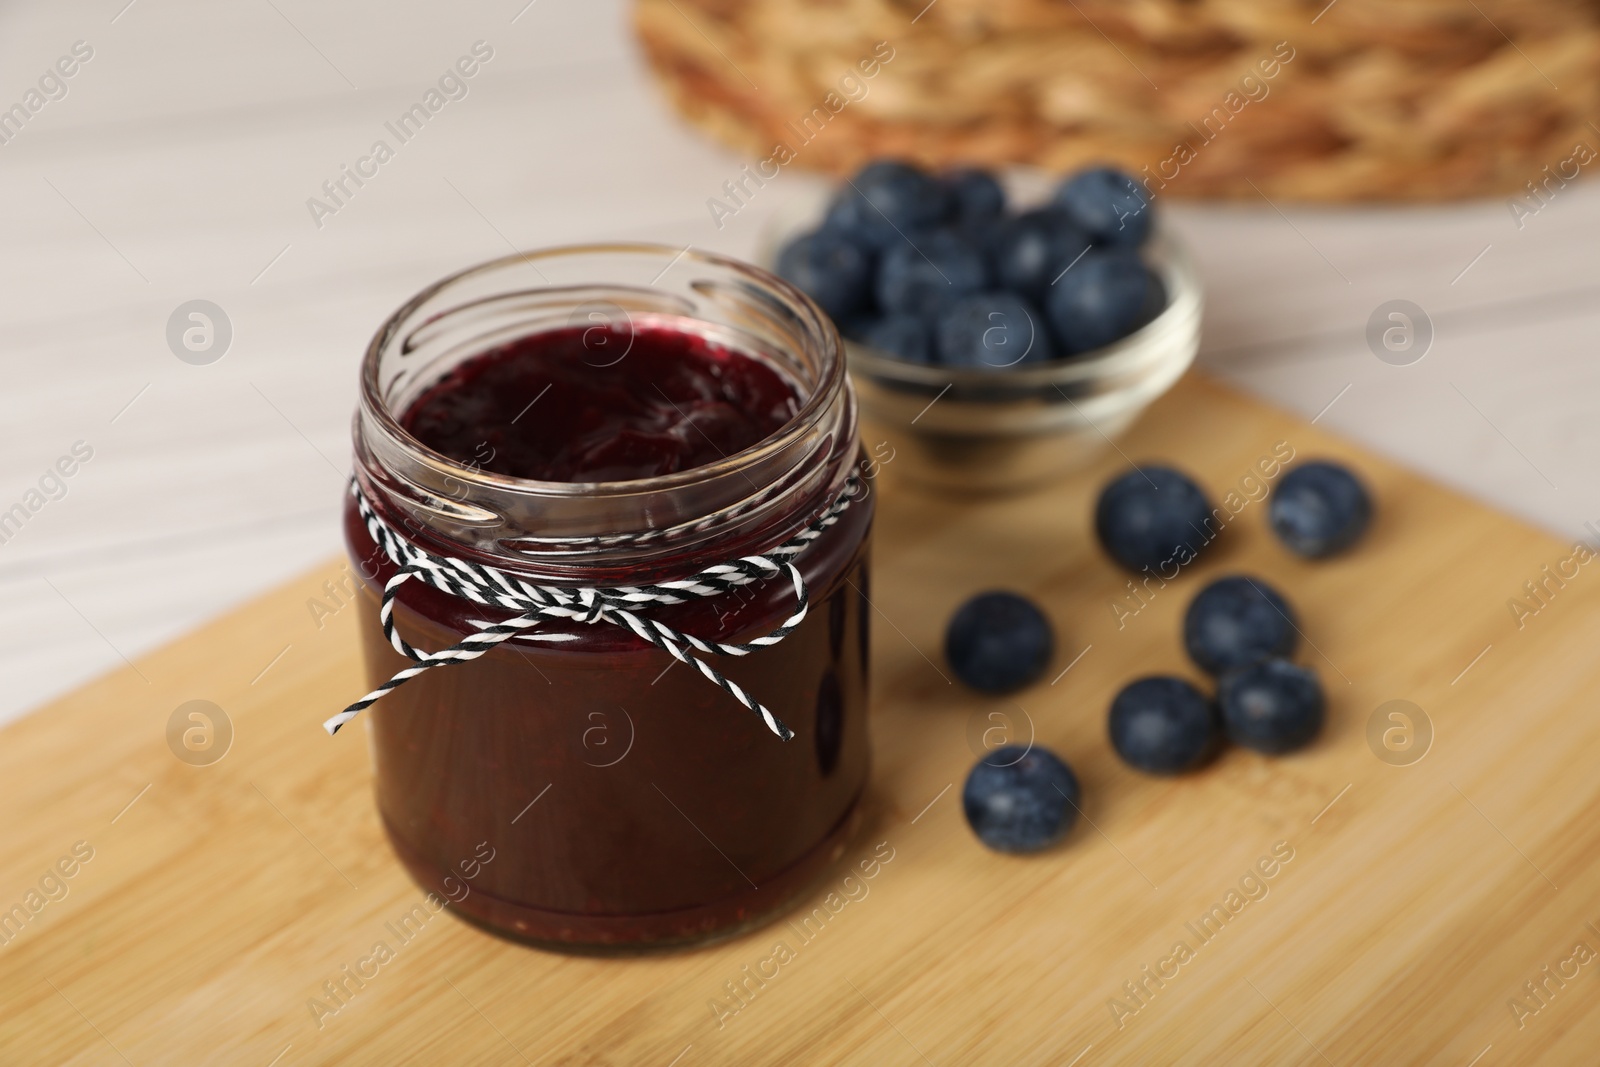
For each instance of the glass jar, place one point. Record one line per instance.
(591, 791)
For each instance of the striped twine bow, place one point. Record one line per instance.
(537, 604)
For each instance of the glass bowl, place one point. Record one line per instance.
(1002, 429)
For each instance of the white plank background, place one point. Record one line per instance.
(179, 163)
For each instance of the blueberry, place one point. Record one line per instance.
(1108, 205)
(854, 327)
(1235, 621)
(1028, 252)
(905, 337)
(997, 642)
(1152, 516)
(1319, 508)
(1155, 299)
(833, 269)
(991, 330)
(1100, 300)
(1020, 799)
(973, 198)
(1272, 706)
(1163, 725)
(843, 216)
(918, 278)
(886, 202)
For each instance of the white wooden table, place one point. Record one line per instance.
(178, 167)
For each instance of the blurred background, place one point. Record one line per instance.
(1399, 155)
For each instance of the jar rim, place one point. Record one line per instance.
(813, 319)
(559, 529)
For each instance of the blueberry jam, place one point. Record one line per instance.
(629, 801)
(601, 404)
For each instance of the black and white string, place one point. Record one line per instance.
(619, 606)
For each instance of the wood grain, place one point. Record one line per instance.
(1417, 901)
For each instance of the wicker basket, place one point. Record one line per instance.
(1357, 100)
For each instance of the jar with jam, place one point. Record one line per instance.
(597, 418)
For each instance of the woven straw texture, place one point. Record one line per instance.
(1360, 100)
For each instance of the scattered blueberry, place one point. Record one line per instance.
(1319, 508)
(1100, 300)
(1028, 252)
(1020, 799)
(1108, 205)
(906, 337)
(1235, 621)
(1152, 516)
(1163, 725)
(973, 198)
(1272, 706)
(885, 202)
(998, 642)
(918, 278)
(833, 269)
(991, 330)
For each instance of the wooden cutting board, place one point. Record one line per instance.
(1406, 906)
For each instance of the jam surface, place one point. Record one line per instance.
(602, 404)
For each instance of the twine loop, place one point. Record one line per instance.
(537, 605)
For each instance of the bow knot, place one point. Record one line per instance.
(596, 607)
(533, 605)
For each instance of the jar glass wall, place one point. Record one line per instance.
(623, 798)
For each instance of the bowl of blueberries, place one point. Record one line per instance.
(999, 332)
